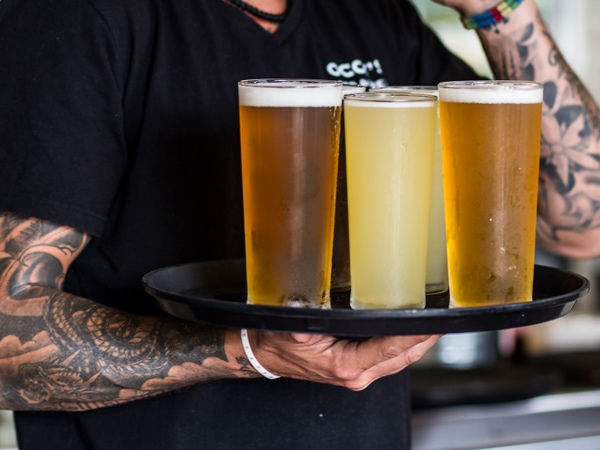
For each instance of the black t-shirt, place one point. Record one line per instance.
(119, 118)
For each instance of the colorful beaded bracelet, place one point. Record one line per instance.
(492, 16)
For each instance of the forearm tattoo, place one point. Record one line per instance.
(570, 151)
(59, 351)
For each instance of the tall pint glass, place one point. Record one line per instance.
(389, 157)
(436, 278)
(289, 141)
(490, 133)
(340, 266)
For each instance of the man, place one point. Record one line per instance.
(119, 154)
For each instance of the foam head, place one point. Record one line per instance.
(290, 93)
(391, 100)
(491, 92)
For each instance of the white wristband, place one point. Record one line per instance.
(250, 354)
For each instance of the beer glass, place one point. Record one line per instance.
(389, 161)
(490, 132)
(436, 278)
(289, 142)
(340, 266)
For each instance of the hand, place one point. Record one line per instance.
(325, 359)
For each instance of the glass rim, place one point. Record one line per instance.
(390, 97)
(491, 84)
(354, 86)
(289, 83)
(403, 88)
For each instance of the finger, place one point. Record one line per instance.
(393, 365)
(376, 350)
(406, 358)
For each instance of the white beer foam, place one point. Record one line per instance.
(391, 101)
(509, 93)
(290, 94)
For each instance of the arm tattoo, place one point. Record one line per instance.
(570, 156)
(59, 351)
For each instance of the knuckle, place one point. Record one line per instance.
(413, 355)
(346, 374)
(388, 351)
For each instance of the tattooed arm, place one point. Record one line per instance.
(62, 352)
(59, 351)
(569, 198)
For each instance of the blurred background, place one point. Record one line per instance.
(571, 22)
(533, 388)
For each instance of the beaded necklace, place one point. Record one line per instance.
(257, 12)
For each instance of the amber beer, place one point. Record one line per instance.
(289, 141)
(490, 133)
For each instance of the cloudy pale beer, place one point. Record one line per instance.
(436, 277)
(289, 141)
(389, 159)
(491, 147)
(340, 265)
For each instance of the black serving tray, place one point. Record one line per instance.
(214, 292)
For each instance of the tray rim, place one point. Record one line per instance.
(340, 315)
